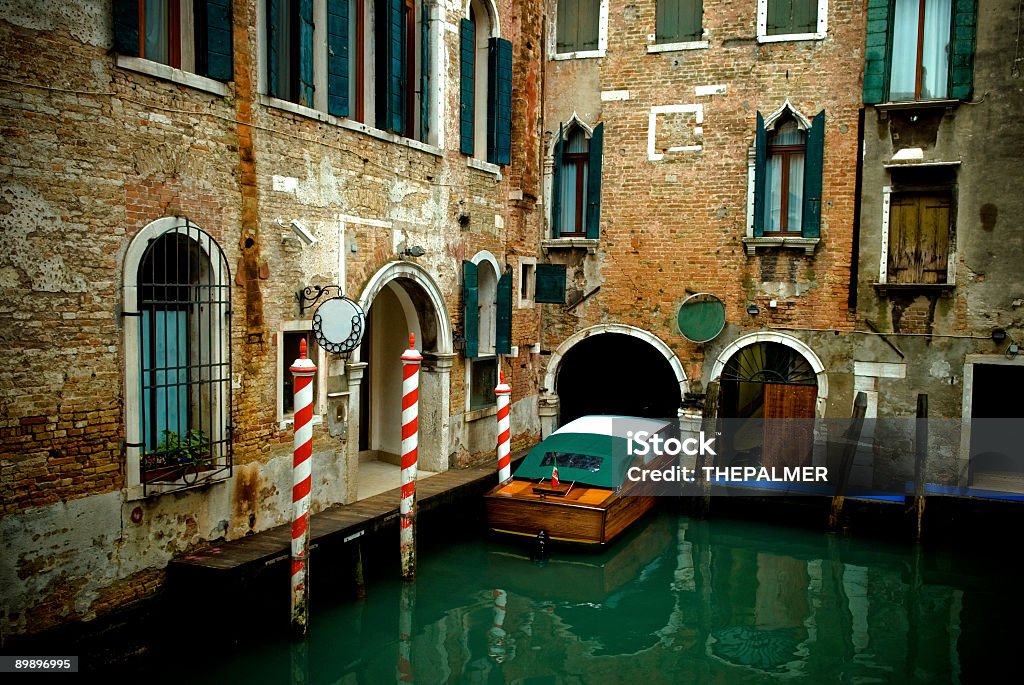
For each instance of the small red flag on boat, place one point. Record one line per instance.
(554, 476)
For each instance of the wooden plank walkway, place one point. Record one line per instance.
(337, 524)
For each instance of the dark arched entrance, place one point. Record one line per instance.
(613, 373)
(769, 390)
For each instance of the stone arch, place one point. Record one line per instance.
(492, 15)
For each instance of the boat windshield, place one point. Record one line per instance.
(571, 460)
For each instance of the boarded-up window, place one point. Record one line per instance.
(578, 22)
(919, 232)
(792, 16)
(679, 21)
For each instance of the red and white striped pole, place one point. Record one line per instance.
(504, 394)
(497, 636)
(406, 608)
(411, 360)
(303, 371)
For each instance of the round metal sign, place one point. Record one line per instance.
(701, 317)
(338, 325)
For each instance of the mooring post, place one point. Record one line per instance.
(360, 578)
(406, 609)
(709, 420)
(303, 370)
(411, 360)
(504, 394)
(920, 457)
(851, 440)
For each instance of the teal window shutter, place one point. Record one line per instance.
(467, 54)
(503, 316)
(274, 29)
(678, 20)
(337, 57)
(126, 27)
(550, 286)
(425, 71)
(218, 51)
(813, 168)
(962, 67)
(306, 52)
(499, 101)
(594, 182)
(396, 66)
(876, 52)
(470, 308)
(556, 186)
(760, 169)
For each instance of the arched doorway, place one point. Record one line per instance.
(400, 299)
(617, 372)
(769, 395)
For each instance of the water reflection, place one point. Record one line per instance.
(675, 601)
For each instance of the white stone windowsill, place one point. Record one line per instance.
(806, 244)
(786, 37)
(162, 71)
(582, 54)
(289, 421)
(675, 47)
(486, 167)
(310, 113)
(135, 493)
(589, 244)
(481, 413)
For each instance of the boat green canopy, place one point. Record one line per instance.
(586, 458)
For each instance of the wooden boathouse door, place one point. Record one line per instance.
(788, 443)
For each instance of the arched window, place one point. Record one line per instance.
(784, 178)
(178, 356)
(485, 86)
(576, 182)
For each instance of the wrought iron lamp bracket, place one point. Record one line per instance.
(309, 296)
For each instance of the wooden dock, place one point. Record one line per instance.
(338, 524)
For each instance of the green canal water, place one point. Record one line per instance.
(676, 601)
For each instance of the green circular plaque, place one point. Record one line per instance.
(701, 317)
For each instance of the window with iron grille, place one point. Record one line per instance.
(184, 360)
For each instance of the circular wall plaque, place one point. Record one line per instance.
(338, 325)
(701, 317)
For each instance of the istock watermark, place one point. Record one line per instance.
(643, 443)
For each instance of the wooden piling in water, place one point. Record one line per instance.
(709, 421)
(851, 439)
(920, 457)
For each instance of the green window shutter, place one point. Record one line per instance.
(813, 167)
(503, 316)
(556, 187)
(337, 57)
(691, 20)
(306, 52)
(425, 71)
(876, 52)
(666, 21)
(219, 49)
(760, 166)
(396, 67)
(550, 287)
(126, 27)
(499, 101)
(804, 16)
(274, 28)
(467, 55)
(470, 308)
(594, 182)
(961, 69)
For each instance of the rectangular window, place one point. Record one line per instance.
(578, 25)
(920, 49)
(527, 281)
(191, 35)
(791, 16)
(919, 232)
(483, 379)
(678, 21)
(289, 353)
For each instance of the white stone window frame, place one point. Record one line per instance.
(602, 36)
(762, 25)
(480, 258)
(319, 112)
(528, 301)
(134, 489)
(652, 126)
(184, 75)
(314, 352)
(883, 257)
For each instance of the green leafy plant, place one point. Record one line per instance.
(191, 449)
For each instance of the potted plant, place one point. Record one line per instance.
(178, 456)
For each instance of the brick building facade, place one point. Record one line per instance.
(132, 143)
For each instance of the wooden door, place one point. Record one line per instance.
(788, 443)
